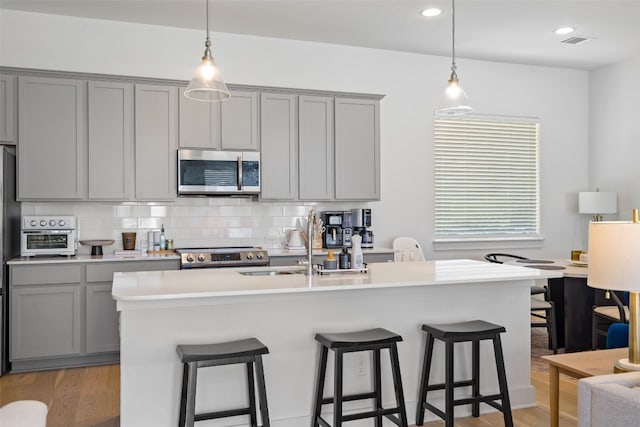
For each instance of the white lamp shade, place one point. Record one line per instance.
(597, 202)
(614, 255)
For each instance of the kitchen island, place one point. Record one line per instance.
(159, 310)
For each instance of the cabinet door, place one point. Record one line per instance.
(278, 147)
(199, 123)
(316, 148)
(45, 321)
(239, 121)
(110, 140)
(357, 149)
(155, 142)
(102, 326)
(52, 129)
(8, 108)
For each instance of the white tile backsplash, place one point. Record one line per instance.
(189, 221)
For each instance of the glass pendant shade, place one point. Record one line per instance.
(454, 101)
(207, 83)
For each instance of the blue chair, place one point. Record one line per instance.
(618, 335)
(604, 315)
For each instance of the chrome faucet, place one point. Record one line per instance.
(312, 219)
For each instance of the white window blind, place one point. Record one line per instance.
(486, 177)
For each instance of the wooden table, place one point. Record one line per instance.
(578, 365)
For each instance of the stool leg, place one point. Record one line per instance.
(262, 392)
(475, 375)
(337, 389)
(397, 384)
(252, 395)
(448, 387)
(377, 378)
(320, 374)
(502, 380)
(424, 381)
(191, 378)
(183, 395)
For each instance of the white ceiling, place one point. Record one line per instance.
(518, 31)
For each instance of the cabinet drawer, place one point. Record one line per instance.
(104, 272)
(45, 274)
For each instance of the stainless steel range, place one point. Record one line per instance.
(245, 256)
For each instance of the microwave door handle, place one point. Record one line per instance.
(239, 173)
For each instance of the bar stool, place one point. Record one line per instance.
(452, 333)
(248, 351)
(368, 340)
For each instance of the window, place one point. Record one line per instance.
(486, 178)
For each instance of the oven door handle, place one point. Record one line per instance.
(47, 231)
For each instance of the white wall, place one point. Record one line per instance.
(614, 147)
(412, 84)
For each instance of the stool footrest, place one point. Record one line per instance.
(221, 414)
(350, 397)
(430, 407)
(441, 386)
(323, 422)
(484, 399)
(370, 414)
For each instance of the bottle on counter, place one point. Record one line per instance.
(163, 239)
(330, 263)
(345, 259)
(357, 260)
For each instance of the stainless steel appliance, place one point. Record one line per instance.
(48, 235)
(245, 256)
(361, 221)
(337, 229)
(9, 242)
(218, 172)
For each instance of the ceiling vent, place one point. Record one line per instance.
(576, 40)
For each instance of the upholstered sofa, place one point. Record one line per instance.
(609, 400)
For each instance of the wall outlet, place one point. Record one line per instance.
(361, 365)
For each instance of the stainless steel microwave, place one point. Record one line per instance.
(213, 172)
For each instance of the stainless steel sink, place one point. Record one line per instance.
(270, 272)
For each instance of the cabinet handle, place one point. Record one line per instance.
(239, 173)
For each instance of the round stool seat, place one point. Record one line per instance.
(364, 338)
(224, 350)
(463, 329)
(24, 413)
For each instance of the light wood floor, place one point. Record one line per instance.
(89, 397)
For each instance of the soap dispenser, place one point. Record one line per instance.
(357, 260)
(163, 239)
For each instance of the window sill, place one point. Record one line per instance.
(460, 243)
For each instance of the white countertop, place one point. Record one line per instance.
(205, 283)
(89, 258)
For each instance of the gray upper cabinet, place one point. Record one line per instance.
(279, 154)
(357, 145)
(156, 135)
(199, 123)
(316, 171)
(8, 103)
(239, 118)
(110, 141)
(52, 128)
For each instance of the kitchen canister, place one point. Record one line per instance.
(128, 241)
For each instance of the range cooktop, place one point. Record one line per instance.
(234, 256)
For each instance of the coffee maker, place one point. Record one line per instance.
(337, 229)
(361, 221)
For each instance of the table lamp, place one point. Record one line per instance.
(614, 263)
(597, 203)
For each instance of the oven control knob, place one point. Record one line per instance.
(33, 223)
(201, 258)
(250, 255)
(43, 223)
(52, 223)
(190, 258)
(61, 223)
(259, 255)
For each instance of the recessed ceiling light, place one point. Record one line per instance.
(434, 11)
(565, 30)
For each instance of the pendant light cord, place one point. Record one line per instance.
(453, 36)
(207, 20)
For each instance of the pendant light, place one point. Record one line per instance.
(454, 101)
(207, 84)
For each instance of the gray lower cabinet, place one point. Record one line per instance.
(110, 141)
(279, 146)
(8, 106)
(315, 145)
(52, 128)
(156, 142)
(357, 145)
(64, 315)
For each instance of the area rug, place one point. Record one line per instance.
(539, 348)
